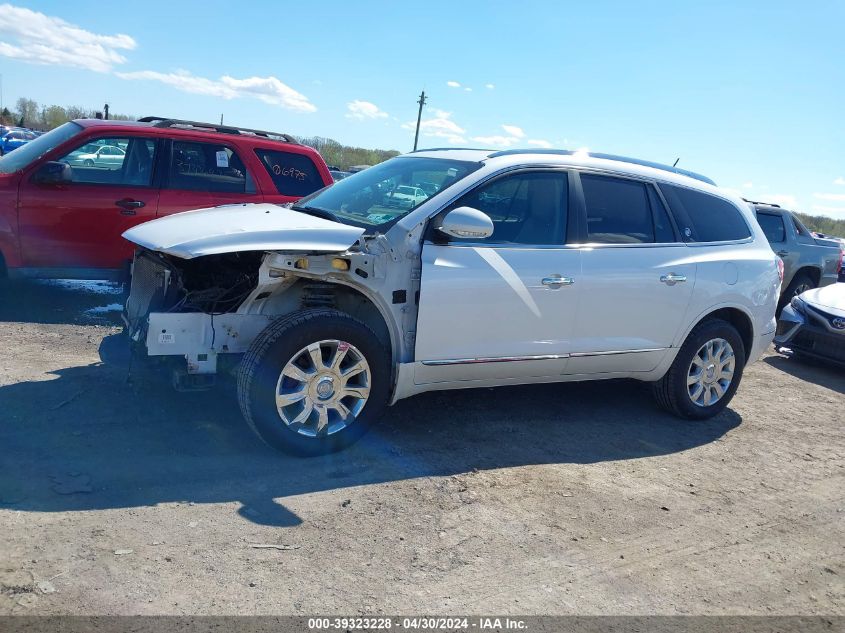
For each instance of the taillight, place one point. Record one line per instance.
(780, 268)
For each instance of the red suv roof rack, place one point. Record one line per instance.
(158, 121)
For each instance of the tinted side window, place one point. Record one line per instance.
(526, 208)
(618, 210)
(772, 226)
(293, 174)
(707, 218)
(663, 230)
(113, 161)
(206, 167)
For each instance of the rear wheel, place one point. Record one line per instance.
(705, 374)
(314, 381)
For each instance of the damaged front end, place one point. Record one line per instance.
(188, 308)
(202, 292)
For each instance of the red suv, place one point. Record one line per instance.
(67, 196)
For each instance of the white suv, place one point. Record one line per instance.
(522, 267)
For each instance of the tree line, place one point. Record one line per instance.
(823, 224)
(345, 156)
(30, 114)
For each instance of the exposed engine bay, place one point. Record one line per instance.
(215, 284)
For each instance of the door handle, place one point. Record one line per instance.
(128, 206)
(556, 281)
(671, 279)
(782, 253)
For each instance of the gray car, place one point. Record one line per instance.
(808, 261)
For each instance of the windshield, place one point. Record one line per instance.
(25, 155)
(380, 195)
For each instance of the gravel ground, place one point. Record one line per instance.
(122, 497)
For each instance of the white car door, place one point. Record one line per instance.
(502, 307)
(637, 278)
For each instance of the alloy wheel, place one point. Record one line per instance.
(323, 388)
(711, 372)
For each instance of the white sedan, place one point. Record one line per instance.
(405, 197)
(105, 156)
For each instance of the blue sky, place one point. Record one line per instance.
(750, 93)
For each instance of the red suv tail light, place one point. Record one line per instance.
(780, 267)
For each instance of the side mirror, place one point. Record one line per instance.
(53, 173)
(466, 223)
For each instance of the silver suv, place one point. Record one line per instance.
(515, 267)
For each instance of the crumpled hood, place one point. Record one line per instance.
(242, 227)
(830, 298)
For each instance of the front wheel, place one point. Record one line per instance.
(314, 381)
(705, 374)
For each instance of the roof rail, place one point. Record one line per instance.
(768, 204)
(158, 121)
(621, 159)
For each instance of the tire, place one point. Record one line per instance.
(325, 429)
(800, 283)
(88, 163)
(673, 393)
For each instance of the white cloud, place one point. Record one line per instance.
(267, 89)
(830, 197)
(453, 84)
(489, 86)
(439, 114)
(785, 200)
(514, 135)
(36, 38)
(495, 140)
(839, 181)
(364, 110)
(468, 89)
(441, 126)
(748, 185)
(835, 212)
(539, 143)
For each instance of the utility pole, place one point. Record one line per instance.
(106, 112)
(221, 118)
(419, 117)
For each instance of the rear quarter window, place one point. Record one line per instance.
(705, 218)
(293, 174)
(772, 226)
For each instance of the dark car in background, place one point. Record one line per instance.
(67, 196)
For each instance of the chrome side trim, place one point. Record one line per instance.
(614, 352)
(497, 359)
(511, 359)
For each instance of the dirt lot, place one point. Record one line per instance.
(125, 497)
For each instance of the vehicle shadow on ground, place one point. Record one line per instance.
(85, 438)
(60, 301)
(811, 370)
